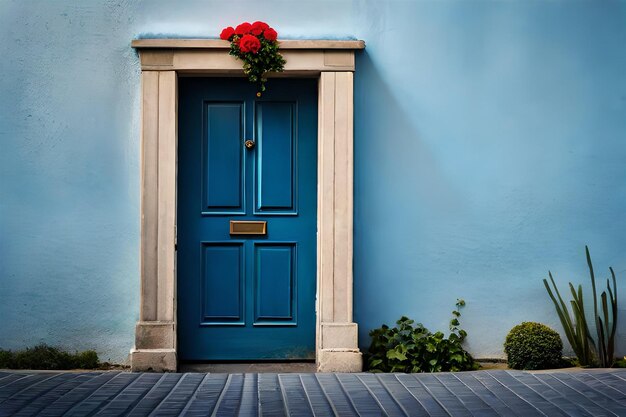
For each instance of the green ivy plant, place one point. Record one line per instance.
(411, 347)
(589, 352)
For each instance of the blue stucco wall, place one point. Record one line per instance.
(490, 146)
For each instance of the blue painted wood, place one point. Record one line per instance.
(223, 282)
(276, 162)
(275, 281)
(246, 297)
(222, 158)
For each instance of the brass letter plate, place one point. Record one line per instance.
(242, 227)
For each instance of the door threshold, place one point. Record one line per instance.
(248, 367)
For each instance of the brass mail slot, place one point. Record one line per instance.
(242, 227)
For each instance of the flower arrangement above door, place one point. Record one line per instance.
(256, 45)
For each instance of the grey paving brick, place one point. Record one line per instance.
(156, 394)
(473, 403)
(38, 404)
(597, 396)
(410, 405)
(296, 399)
(314, 393)
(362, 401)
(574, 396)
(230, 400)
(432, 406)
(481, 393)
(520, 405)
(337, 397)
(179, 396)
(26, 395)
(205, 399)
(59, 406)
(378, 391)
(550, 394)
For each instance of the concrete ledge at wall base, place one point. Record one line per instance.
(339, 360)
(153, 360)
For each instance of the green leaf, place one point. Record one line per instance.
(374, 363)
(393, 354)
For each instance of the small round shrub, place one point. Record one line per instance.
(533, 346)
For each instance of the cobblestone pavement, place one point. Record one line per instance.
(480, 393)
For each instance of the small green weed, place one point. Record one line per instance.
(47, 357)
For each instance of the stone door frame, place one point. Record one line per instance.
(162, 62)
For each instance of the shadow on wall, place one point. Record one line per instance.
(396, 176)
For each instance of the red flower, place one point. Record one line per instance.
(257, 28)
(249, 43)
(270, 34)
(227, 33)
(243, 28)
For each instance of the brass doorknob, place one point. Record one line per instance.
(249, 144)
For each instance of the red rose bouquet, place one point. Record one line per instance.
(257, 46)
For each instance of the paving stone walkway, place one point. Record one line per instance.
(481, 393)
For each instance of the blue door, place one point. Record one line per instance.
(247, 201)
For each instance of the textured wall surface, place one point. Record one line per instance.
(490, 146)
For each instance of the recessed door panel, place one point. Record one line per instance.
(275, 284)
(246, 261)
(223, 283)
(276, 167)
(222, 162)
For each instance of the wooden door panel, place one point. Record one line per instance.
(223, 158)
(246, 297)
